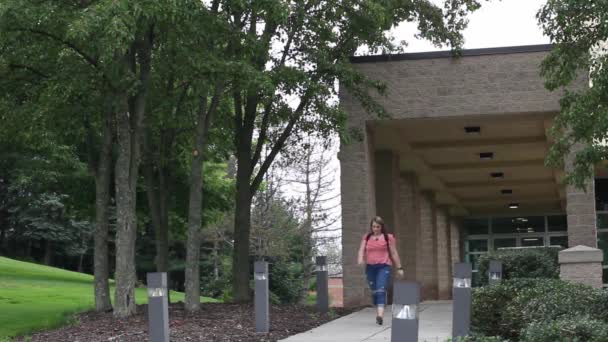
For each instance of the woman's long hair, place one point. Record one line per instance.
(380, 221)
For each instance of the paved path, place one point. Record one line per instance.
(435, 326)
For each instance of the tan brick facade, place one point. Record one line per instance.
(374, 183)
(444, 257)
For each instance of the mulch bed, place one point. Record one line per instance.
(215, 322)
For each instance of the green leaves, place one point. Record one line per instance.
(579, 30)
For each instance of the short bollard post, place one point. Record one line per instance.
(262, 306)
(158, 307)
(494, 272)
(322, 285)
(406, 298)
(461, 292)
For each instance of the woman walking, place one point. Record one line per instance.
(378, 252)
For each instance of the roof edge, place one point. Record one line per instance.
(450, 54)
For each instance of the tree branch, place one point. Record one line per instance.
(281, 140)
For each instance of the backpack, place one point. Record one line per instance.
(388, 247)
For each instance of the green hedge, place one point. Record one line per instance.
(522, 263)
(506, 309)
(567, 329)
(490, 304)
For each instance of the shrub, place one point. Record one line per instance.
(507, 308)
(550, 299)
(522, 263)
(479, 338)
(489, 305)
(567, 329)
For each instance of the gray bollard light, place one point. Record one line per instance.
(495, 272)
(262, 306)
(158, 307)
(322, 285)
(406, 299)
(461, 292)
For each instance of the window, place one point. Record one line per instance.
(557, 223)
(558, 241)
(601, 194)
(532, 242)
(505, 242)
(518, 225)
(477, 226)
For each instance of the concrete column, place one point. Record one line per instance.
(386, 167)
(409, 218)
(358, 207)
(581, 264)
(427, 253)
(580, 208)
(455, 241)
(444, 274)
(386, 184)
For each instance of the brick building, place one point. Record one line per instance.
(459, 170)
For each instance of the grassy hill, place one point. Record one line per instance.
(35, 297)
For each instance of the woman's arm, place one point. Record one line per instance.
(394, 253)
(361, 254)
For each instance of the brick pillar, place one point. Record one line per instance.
(386, 169)
(581, 264)
(427, 252)
(580, 208)
(456, 246)
(358, 206)
(386, 166)
(409, 218)
(444, 273)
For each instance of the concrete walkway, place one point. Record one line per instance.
(435, 326)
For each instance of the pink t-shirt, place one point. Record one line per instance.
(376, 251)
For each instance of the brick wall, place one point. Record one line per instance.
(580, 208)
(444, 271)
(336, 292)
(427, 252)
(409, 217)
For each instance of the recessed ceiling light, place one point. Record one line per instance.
(513, 205)
(486, 155)
(497, 175)
(472, 129)
(506, 191)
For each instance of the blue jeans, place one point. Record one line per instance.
(378, 276)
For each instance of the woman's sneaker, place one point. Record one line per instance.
(378, 320)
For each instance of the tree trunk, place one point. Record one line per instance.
(3, 249)
(48, 252)
(80, 263)
(242, 215)
(163, 234)
(195, 209)
(126, 165)
(129, 128)
(242, 229)
(153, 195)
(103, 175)
(216, 261)
(195, 203)
(28, 250)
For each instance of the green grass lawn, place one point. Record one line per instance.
(36, 297)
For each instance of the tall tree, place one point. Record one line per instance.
(61, 81)
(579, 30)
(296, 51)
(317, 201)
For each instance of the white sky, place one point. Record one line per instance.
(496, 24)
